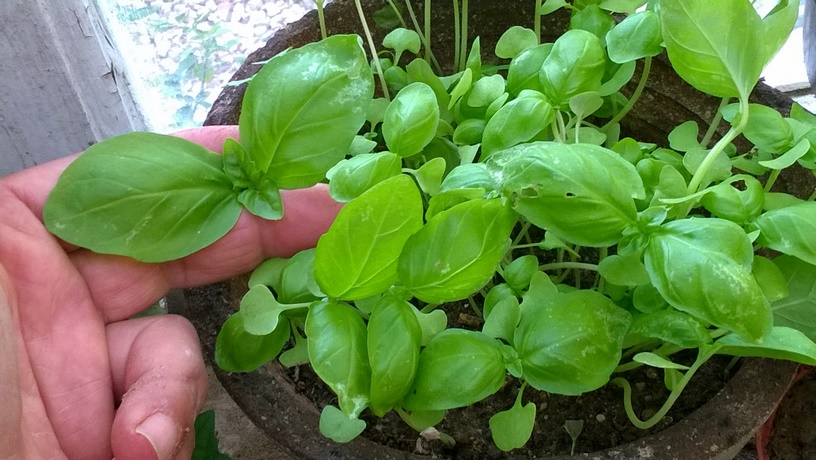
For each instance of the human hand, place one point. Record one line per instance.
(78, 378)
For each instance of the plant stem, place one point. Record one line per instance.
(702, 357)
(772, 179)
(399, 15)
(712, 128)
(708, 162)
(812, 196)
(373, 50)
(464, 44)
(428, 26)
(321, 18)
(568, 265)
(537, 21)
(644, 76)
(475, 306)
(524, 228)
(457, 33)
(422, 37)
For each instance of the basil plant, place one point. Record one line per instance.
(508, 188)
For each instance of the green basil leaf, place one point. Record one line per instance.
(394, 339)
(766, 128)
(429, 175)
(292, 279)
(431, 323)
(457, 251)
(303, 109)
(486, 90)
(670, 326)
(517, 121)
(771, 280)
(348, 179)
(636, 37)
(781, 343)
(147, 196)
(622, 6)
(339, 427)
(583, 193)
(236, 350)
(361, 145)
(524, 69)
(714, 45)
(651, 359)
(703, 267)
(569, 343)
(462, 87)
(240, 169)
(450, 198)
(647, 299)
(469, 176)
(788, 158)
(798, 309)
(401, 40)
(411, 119)
(790, 230)
(263, 200)
(469, 132)
(262, 312)
(512, 428)
(594, 20)
(520, 271)
(515, 41)
(456, 369)
(624, 270)
(420, 71)
(357, 257)
(503, 319)
(737, 205)
(551, 6)
(575, 65)
(684, 137)
(337, 351)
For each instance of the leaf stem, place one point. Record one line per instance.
(321, 18)
(537, 21)
(704, 355)
(719, 147)
(644, 76)
(812, 196)
(772, 179)
(399, 15)
(464, 44)
(715, 123)
(457, 33)
(475, 306)
(373, 49)
(568, 265)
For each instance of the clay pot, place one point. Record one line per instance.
(717, 430)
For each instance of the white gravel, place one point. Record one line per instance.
(156, 36)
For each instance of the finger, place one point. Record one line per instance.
(121, 287)
(159, 373)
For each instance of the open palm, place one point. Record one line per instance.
(78, 378)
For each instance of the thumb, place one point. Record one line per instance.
(157, 366)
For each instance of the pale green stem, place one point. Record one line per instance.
(522, 233)
(475, 306)
(457, 32)
(373, 49)
(772, 179)
(812, 196)
(464, 44)
(537, 21)
(399, 15)
(714, 123)
(562, 129)
(708, 161)
(568, 265)
(644, 76)
(428, 25)
(422, 37)
(321, 18)
(702, 357)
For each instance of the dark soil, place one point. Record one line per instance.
(605, 422)
(794, 430)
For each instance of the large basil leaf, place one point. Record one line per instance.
(394, 339)
(670, 326)
(583, 193)
(703, 267)
(524, 69)
(142, 195)
(790, 230)
(569, 343)
(719, 53)
(456, 369)
(798, 310)
(357, 257)
(575, 65)
(457, 251)
(338, 353)
(302, 110)
(635, 37)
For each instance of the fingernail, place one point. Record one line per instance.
(162, 433)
